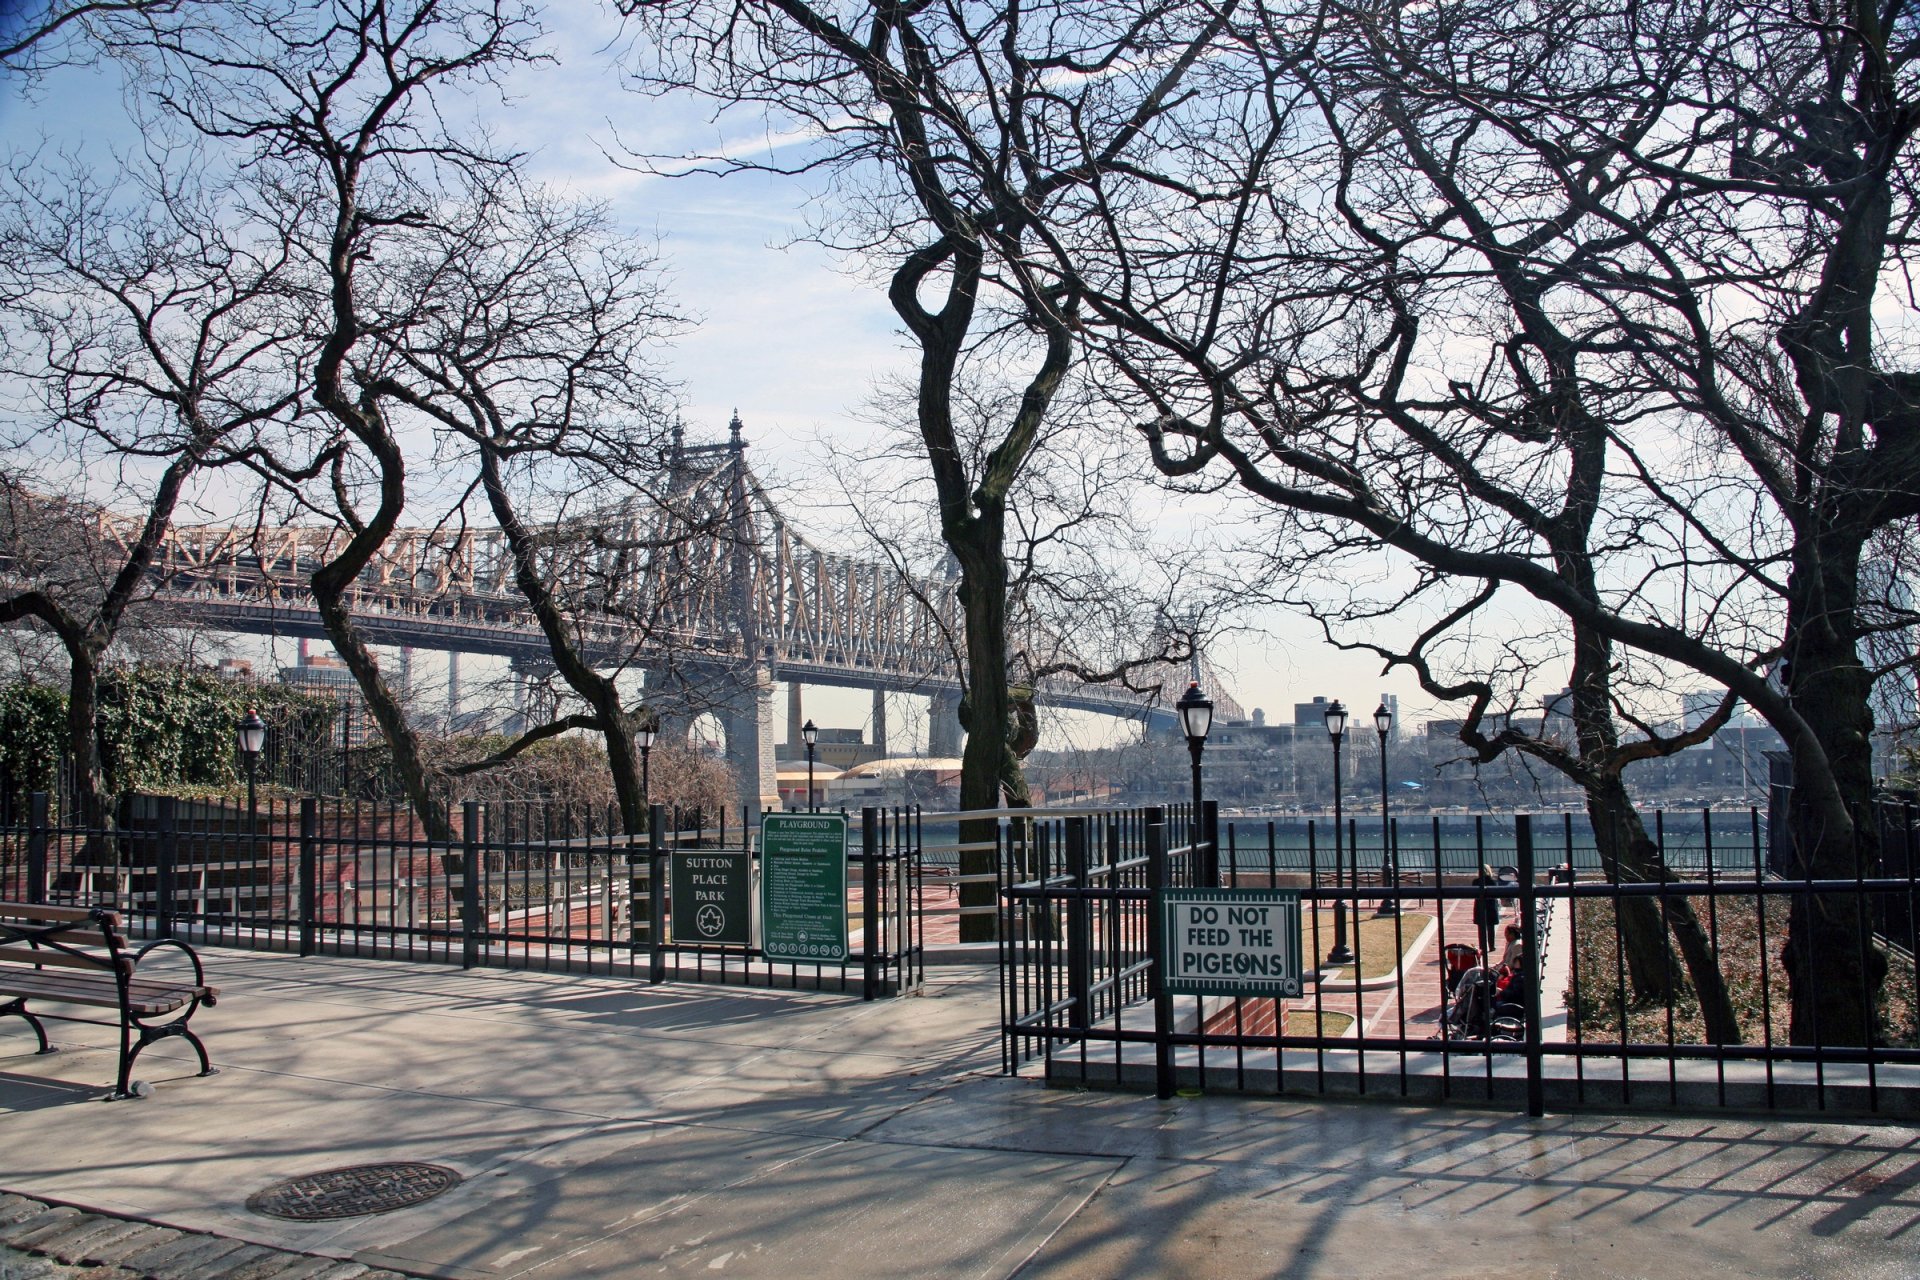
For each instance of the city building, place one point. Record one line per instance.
(834, 750)
(327, 675)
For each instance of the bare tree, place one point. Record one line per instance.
(1578, 300)
(336, 107)
(539, 362)
(953, 132)
(38, 36)
(139, 338)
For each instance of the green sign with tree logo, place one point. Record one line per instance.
(711, 897)
(803, 886)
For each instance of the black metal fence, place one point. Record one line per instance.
(521, 885)
(1587, 1023)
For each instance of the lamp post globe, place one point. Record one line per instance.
(1341, 955)
(809, 734)
(1196, 719)
(252, 736)
(1389, 853)
(644, 738)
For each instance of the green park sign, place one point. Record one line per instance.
(803, 886)
(1230, 942)
(711, 897)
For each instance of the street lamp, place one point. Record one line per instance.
(253, 736)
(1337, 730)
(1196, 717)
(809, 734)
(644, 738)
(1389, 856)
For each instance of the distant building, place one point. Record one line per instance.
(1698, 704)
(1449, 730)
(1310, 714)
(834, 750)
(328, 676)
(1556, 716)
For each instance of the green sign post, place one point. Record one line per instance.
(1230, 942)
(711, 895)
(803, 886)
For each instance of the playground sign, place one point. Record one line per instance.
(803, 887)
(1230, 942)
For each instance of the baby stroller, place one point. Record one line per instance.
(1482, 1004)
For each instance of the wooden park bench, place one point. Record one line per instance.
(77, 956)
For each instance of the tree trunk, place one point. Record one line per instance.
(987, 709)
(1635, 857)
(385, 708)
(83, 735)
(1834, 972)
(623, 758)
(1621, 840)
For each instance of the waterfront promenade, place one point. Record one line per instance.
(606, 1128)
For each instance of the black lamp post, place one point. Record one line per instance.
(1337, 730)
(1196, 717)
(809, 734)
(1389, 856)
(253, 736)
(644, 738)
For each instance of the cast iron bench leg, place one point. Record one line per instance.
(18, 1008)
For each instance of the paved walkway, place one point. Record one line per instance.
(605, 1128)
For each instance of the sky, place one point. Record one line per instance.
(787, 336)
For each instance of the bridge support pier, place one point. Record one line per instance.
(745, 711)
(880, 720)
(943, 724)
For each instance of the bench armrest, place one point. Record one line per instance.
(199, 973)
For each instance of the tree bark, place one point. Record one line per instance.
(1834, 971)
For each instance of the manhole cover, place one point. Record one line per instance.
(350, 1192)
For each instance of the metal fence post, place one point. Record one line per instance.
(1156, 948)
(1210, 832)
(469, 884)
(656, 892)
(37, 847)
(309, 870)
(1079, 929)
(870, 902)
(166, 864)
(1530, 930)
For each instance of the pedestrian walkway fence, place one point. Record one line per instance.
(1083, 999)
(518, 886)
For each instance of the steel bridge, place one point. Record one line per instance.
(705, 585)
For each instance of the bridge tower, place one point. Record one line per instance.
(746, 701)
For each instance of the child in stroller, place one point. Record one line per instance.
(1484, 1002)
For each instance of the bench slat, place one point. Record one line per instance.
(144, 997)
(48, 915)
(88, 941)
(62, 959)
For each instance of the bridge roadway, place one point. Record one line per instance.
(453, 630)
(710, 582)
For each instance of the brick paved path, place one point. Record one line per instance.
(39, 1241)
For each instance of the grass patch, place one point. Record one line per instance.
(1593, 994)
(1379, 957)
(1301, 1022)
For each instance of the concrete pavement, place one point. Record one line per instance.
(605, 1128)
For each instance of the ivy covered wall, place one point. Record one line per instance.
(162, 728)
